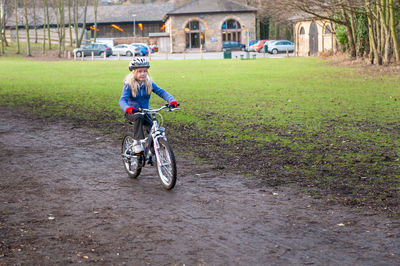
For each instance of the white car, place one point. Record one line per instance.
(124, 49)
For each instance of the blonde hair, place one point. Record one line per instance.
(131, 80)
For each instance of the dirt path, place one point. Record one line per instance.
(65, 198)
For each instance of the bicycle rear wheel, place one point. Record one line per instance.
(132, 162)
(166, 165)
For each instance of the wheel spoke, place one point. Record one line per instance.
(131, 162)
(165, 165)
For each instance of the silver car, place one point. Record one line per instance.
(280, 46)
(124, 49)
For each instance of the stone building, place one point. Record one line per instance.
(205, 24)
(313, 37)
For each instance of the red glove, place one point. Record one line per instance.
(174, 104)
(130, 110)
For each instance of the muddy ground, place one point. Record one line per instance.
(65, 199)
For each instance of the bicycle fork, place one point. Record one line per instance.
(156, 144)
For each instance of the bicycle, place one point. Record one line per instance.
(155, 146)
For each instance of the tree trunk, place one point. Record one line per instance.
(28, 41)
(69, 23)
(350, 36)
(3, 32)
(63, 25)
(56, 12)
(2, 16)
(59, 12)
(353, 27)
(393, 32)
(84, 23)
(385, 36)
(96, 2)
(46, 3)
(2, 12)
(34, 20)
(76, 25)
(44, 30)
(16, 27)
(372, 45)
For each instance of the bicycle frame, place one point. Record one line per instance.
(156, 132)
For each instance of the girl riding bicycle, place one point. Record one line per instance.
(136, 95)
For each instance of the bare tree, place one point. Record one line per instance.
(96, 3)
(59, 12)
(382, 31)
(28, 41)
(46, 7)
(17, 26)
(381, 17)
(392, 9)
(76, 15)
(44, 29)
(83, 24)
(2, 15)
(69, 23)
(34, 20)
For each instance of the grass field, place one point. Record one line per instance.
(333, 130)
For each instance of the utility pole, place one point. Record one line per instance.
(134, 27)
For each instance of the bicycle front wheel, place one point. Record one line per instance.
(132, 162)
(166, 165)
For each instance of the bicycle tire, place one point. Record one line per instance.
(166, 164)
(133, 166)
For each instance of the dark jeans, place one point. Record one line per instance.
(141, 125)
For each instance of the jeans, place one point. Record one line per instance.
(141, 125)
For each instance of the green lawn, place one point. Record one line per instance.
(329, 128)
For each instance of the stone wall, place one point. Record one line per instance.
(212, 23)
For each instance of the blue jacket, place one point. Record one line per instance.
(142, 100)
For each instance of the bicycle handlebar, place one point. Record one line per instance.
(150, 111)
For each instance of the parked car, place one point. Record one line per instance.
(280, 46)
(144, 49)
(154, 48)
(233, 45)
(259, 46)
(266, 43)
(125, 49)
(97, 49)
(251, 45)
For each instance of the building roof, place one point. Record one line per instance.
(301, 17)
(123, 13)
(105, 14)
(211, 6)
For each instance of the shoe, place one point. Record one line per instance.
(149, 160)
(137, 146)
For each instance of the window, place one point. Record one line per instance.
(231, 30)
(194, 25)
(231, 24)
(302, 31)
(194, 34)
(328, 30)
